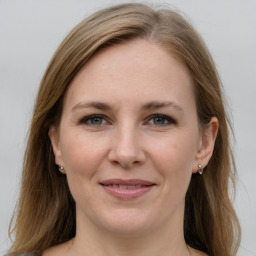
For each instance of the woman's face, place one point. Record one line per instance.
(129, 139)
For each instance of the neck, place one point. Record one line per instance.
(165, 241)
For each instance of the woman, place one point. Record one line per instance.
(128, 152)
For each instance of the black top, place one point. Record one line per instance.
(28, 254)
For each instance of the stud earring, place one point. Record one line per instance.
(200, 169)
(61, 168)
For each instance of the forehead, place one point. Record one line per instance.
(137, 70)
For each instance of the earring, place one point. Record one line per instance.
(61, 168)
(200, 169)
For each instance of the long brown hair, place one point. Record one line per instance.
(45, 213)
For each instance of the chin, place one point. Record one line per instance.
(127, 223)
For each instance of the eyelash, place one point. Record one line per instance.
(87, 119)
(170, 120)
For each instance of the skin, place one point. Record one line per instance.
(128, 142)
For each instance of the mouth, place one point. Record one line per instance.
(123, 186)
(127, 189)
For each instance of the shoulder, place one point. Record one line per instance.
(195, 252)
(28, 254)
(58, 250)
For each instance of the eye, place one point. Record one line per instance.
(161, 120)
(94, 120)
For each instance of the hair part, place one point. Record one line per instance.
(45, 213)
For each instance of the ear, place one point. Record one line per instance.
(55, 141)
(206, 144)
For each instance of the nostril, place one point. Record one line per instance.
(126, 154)
(115, 162)
(126, 164)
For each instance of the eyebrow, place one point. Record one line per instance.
(92, 104)
(153, 105)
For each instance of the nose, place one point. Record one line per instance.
(126, 150)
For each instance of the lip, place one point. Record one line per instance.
(126, 182)
(110, 186)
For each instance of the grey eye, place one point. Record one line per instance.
(159, 120)
(94, 120)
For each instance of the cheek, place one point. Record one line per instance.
(82, 156)
(174, 156)
(81, 153)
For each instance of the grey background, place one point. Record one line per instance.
(30, 31)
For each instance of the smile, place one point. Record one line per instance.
(124, 186)
(127, 189)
